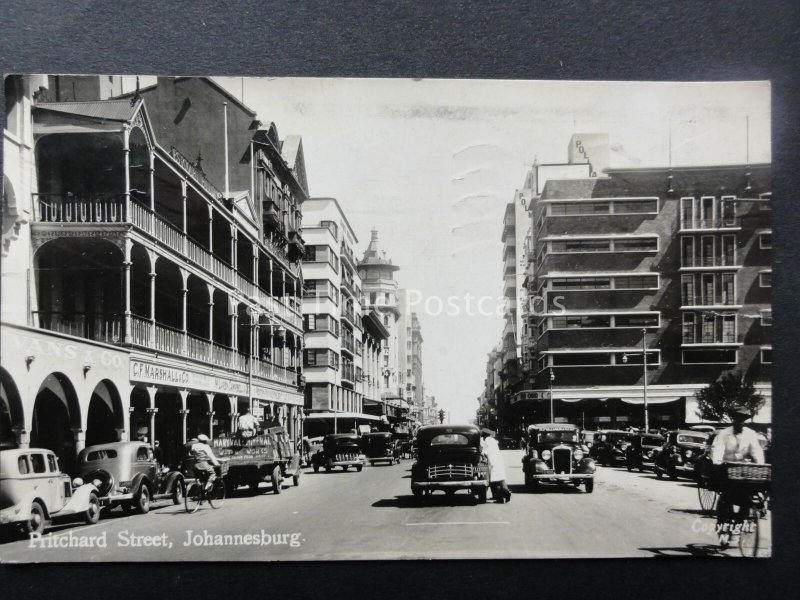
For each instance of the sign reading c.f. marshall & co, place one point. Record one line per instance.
(146, 372)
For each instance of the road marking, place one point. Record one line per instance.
(463, 523)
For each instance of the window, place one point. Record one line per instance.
(765, 279)
(636, 321)
(636, 282)
(39, 464)
(707, 251)
(581, 359)
(709, 328)
(372, 298)
(581, 321)
(560, 209)
(766, 355)
(765, 241)
(636, 245)
(728, 253)
(101, 455)
(688, 328)
(386, 320)
(143, 453)
(581, 283)
(710, 356)
(766, 317)
(52, 463)
(687, 290)
(687, 251)
(567, 246)
(687, 213)
(23, 465)
(386, 298)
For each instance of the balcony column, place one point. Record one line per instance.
(184, 307)
(234, 327)
(270, 278)
(283, 286)
(211, 229)
(183, 220)
(184, 413)
(152, 332)
(234, 242)
(126, 152)
(255, 263)
(210, 415)
(210, 320)
(126, 266)
(151, 172)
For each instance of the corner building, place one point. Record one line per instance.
(675, 258)
(161, 293)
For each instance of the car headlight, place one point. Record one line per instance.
(77, 482)
(96, 482)
(688, 454)
(577, 455)
(545, 454)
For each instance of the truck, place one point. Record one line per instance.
(268, 456)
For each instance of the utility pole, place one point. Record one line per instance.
(644, 362)
(552, 379)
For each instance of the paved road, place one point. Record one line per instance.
(372, 515)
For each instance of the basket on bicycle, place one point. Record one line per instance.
(746, 477)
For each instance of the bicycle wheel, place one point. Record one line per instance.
(193, 496)
(708, 499)
(749, 537)
(216, 497)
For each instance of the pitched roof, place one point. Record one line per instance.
(109, 110)
(375, 255)
(289, 148)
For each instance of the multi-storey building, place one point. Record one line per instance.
(673, 260)
(380, 294)
(342, 344)
(152, 302)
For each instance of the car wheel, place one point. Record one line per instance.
(276, 480)
(328, 468)
(315, 466)
(92, 514)
(659, 473)
(141, 503)
(417, 492)
(252, 487)
(177, 492)
(345, 467)
(359, 467)
(296, 478)
(673, 473)
(37, 521)
(630, 466)
(482, 496)
(589, 485)
(535, 487)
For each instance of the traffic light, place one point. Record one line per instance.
(441, 415)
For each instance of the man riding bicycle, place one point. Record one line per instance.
(204, 460)
(736, 443)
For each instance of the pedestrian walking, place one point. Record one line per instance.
(497, 467)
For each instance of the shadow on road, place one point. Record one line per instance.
(519, 488)
(691, 511)
(433, 500)
(688, 550)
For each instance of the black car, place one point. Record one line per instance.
(339, 450)
(449, 459)
(556, 455)
(642, 451)
(681, 449)
(610, 446)
(380, 447)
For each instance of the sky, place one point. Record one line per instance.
(431, 165)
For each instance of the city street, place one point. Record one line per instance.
(372, 515)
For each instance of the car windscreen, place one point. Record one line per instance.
(651, 441)
(558, 436)
(691, 439)
(613, 438)
(450, 439)
(101, 455)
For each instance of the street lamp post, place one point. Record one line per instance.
(552, 378)
(644, 380)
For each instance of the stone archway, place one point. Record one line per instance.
(105, 420)
(57, 420)
(12, 416)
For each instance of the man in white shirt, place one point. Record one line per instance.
(204, 458)
(248, 424)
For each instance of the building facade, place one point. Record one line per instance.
(153, 303)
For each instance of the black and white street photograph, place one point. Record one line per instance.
(307, 318)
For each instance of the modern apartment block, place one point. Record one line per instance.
(145, 291)
(676, 260)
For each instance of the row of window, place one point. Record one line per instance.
(616, 282)
(610, 321)
(708, 212)
(693, 356)
(708, 251)
(320, 288)
(709, 328)
(641, 244)
(604, 207)
(321, 322)
(320, 358)
(708, 288)
(322, 254)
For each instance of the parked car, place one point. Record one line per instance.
(680, 451)
(35, 493)
(339, 450)
(642, 451)
(380, 446)
(610, 446)
(127, 474)
(449, 459)
(556, 455)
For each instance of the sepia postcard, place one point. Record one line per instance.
(292, 319)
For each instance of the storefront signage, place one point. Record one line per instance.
(58, 350)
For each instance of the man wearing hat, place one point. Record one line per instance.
(204, 458)
(737, 443)
(497, 467)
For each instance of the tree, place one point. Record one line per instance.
(717, 401)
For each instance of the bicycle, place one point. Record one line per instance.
(198, 492)
(745, 485)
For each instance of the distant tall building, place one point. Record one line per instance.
(380, 294)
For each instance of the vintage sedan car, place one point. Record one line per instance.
(339, 450)
(642, 451)
(556, 455)
(380, 446)
(127, 474)
(610, 446)
(34, 492)
(449, 458)
(680, 451)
